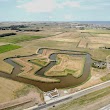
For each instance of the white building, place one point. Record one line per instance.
(51, 95)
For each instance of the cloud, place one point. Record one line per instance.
(22, 1)
(39, 6)
(42, 6)
(70, 4)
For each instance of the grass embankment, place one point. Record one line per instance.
(62, 73)
(19, 38)
(67, 65)
(28, 71)
(9, 47)
(39, 62)
(106, 78)
(58, 61)
(84, 100)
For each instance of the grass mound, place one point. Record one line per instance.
(39, 62)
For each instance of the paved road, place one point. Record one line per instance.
(72, 96)
(106, 107)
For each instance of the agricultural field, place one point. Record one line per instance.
(96, 31)
(19, 38)
(11, 90)
(9, 47)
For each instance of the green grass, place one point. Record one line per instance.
(39, 62)
(19, 38)
(9, 47)
(87, 99)
(106, 78)
(68, 71)
(58, 61)
(98, 54)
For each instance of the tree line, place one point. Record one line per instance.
(7, 34)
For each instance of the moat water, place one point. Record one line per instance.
(65, 81)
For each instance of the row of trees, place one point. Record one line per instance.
(13, 27)
(33, 30)
(7, 34)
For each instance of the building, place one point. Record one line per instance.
(51, 95)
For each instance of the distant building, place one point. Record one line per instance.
(80, 27)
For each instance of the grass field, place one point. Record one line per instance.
(10, 90)
(106, 78)
(99, 54)
(84, 100)
(9, 47)
(96, 31)
(19, 38)
(61, 73)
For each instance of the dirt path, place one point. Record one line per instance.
(83, 43)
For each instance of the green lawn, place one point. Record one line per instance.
(9, 47)
(19, 38)
(106, 78)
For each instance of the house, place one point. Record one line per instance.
(51, 95)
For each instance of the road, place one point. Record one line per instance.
(106, 107)
(70, 97)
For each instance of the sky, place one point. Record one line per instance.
(54, 10)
